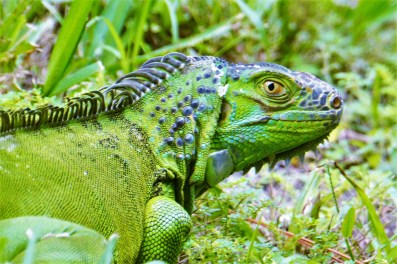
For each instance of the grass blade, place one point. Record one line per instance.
(212, 32)
(308, 190)
(52, 9)
(372, 13)
(76, 77)
(253, 15)
(116, 12)
(66, 43)
(348, 223)
(119, 44)
(139, 30)
(377, 226)
(347, 228)
(172, 8)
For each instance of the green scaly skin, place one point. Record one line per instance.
(132, 157)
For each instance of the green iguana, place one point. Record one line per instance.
(131, 157)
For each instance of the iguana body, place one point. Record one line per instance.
(131, 158)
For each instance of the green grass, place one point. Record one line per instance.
(58, 47)
(71, 30)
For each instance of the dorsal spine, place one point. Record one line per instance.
(126, 91)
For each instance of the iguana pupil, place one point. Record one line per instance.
(270, 86)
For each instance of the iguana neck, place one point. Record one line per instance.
(180, 116)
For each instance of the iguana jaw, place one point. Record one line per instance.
(220, 164)
(301, 149)
(298, 151)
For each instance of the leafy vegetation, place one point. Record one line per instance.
(343, 201)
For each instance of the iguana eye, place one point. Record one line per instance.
(273, 88)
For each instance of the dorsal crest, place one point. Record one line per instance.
(126, 91)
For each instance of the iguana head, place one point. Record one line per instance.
(270, 113)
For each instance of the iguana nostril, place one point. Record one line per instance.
(336, 102)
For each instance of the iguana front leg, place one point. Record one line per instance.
(166, 227)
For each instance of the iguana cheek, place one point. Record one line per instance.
(219, 166)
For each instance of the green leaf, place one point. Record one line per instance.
(40, 239)
(66, 44)
(108, 254)
(348, 223)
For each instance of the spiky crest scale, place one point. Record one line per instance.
(126, 91)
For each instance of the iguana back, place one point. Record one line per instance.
(97, 174)
(132, 157)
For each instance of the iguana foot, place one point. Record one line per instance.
(166, 227)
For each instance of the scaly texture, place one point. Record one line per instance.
(132, 157)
